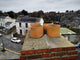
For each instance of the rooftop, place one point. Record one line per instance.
(66, 31)
(45, 42)
(8, 23)
(78, 18)
(2, 16)
(28, 19)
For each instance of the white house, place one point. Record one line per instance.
(23, 24)
(7, 22)
(2, 20)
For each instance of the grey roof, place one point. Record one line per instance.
(8, 23)
(78, 18)
(28, 19)
(70, 12)
(66, 21)
(2, 16)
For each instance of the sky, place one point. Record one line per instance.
(36, 5)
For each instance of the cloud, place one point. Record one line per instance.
(35, 5)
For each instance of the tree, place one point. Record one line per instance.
(34, 14)
(24, 12)
(37, 14)
(72, 11)
(12, 14)
(67, 11)
(78, 12)
(1, 13)
(40, 13)
(5, 14)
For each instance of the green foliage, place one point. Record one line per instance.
(1, 13)
(44, 20)
(24, 12)
(37, 14)
(12, 14)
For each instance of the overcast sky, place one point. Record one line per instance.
(35, 5)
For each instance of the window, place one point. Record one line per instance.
(20, 24)
(26, 25)
(26, 31)
(21, 32)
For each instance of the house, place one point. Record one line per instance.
(23, 24)
(77, 22)
(68, 34)
(7, 22)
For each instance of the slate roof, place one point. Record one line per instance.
(78, 18)
(8, 23)
(28, 19)
(2, 16)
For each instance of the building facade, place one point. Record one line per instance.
(7, 22)
(23, 24)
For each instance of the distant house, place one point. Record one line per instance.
(68, 34)
(7, 22)
(66, 22)
(76, 18)
(79, 26)
(23, 24)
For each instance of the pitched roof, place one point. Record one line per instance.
(2, 16)
(28, 19)
(78, 18)
(8, 23)
(66, 31)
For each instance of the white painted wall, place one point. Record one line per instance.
(2, 22)
(17, 28)
(42, 21)
(28, 26)
(23, 27)
(7, 19)
(12, 24)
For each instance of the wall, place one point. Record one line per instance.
(7, 19)
(28, 26)
(23, 27)
(11, 25)
(42, 21)
(18, 28)
(65, 53)
(72, 38)
(2, 21)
